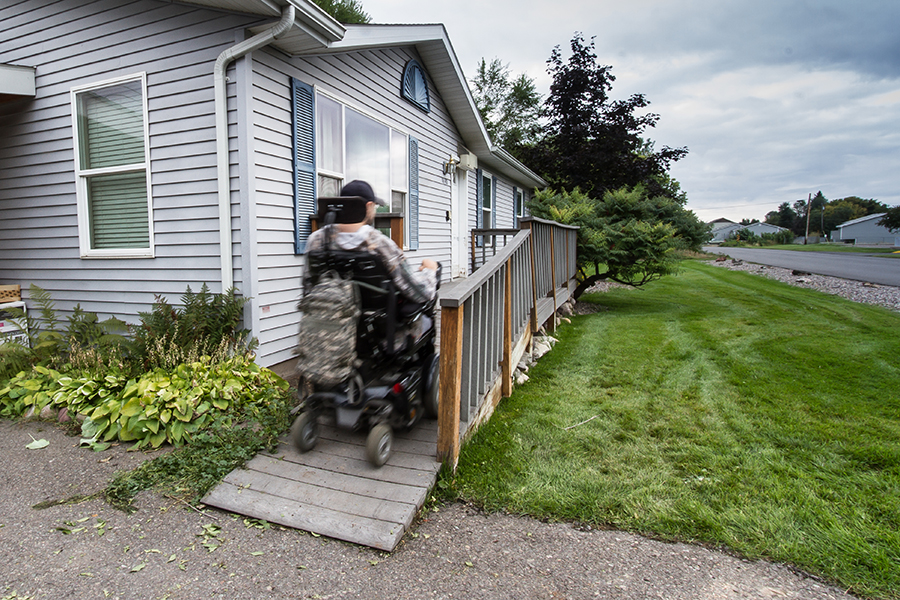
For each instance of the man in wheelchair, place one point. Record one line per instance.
(366, 346)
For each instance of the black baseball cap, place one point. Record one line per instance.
(363, 190)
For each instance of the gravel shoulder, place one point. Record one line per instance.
(857, 291)
(165, 550)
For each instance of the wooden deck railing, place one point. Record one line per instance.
(486, 242)
(488, 319)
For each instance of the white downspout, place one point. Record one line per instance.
(222, 163)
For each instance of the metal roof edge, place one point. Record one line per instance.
(860, 220)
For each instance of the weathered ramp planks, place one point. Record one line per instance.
(333, 490)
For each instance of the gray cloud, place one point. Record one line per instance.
(774, 98)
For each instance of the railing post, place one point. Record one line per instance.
(507, 368)
(534, 305)
(553, 279)
(450, 381)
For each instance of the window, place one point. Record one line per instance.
(414, 86)
(112, 168)
(334, 144)
(487, 209)
(351, 146)
(520, 203)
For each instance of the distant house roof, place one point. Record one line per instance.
(721, 220)
(861, 220)
(315, 32)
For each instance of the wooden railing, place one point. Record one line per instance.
(486, 242)
(487, 322)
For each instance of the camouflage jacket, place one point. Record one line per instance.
(416, 286)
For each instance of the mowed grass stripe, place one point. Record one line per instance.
(730, 409)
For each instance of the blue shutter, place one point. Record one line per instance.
(303, 101)
(413, 193)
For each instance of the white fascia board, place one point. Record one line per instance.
(17, 81)
(434, 48)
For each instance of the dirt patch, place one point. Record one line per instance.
(83, 548)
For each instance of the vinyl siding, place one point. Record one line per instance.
(370, 82)
(74, 43)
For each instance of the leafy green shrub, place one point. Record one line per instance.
(159, 406)
(206, 325)
(192, 470)
(779, 238)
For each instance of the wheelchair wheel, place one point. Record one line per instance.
(305, 431)
(379, 444)
(432, 394)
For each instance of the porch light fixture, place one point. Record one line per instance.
(450, 166)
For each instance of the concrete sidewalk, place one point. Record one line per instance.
(86, 549)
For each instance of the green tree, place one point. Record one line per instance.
(891, 219)
(627, 236)
(349, 12)
(589, 141)
(785, 216)
(510, 108)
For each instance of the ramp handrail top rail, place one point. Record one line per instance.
(455, 294)
(547, 222)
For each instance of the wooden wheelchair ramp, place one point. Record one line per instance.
(333, 490)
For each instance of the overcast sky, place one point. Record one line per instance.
(775, 99)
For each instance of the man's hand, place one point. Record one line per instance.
(428, 264)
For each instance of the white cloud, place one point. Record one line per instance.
(775, 99)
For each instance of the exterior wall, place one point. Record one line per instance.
(370, 82)
(866, 232)
(761, 228)
(73, 43)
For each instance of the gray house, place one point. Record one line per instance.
(150, 145)
(865, 230)
(727, 230)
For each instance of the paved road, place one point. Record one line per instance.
(860, 267)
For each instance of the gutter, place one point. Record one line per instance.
(220, 83)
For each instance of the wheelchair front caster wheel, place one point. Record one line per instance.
(380, 444)
(305, 431)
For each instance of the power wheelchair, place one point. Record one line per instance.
(396, 378)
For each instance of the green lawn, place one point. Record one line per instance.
(716, 407)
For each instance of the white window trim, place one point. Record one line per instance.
(81, 175)
(345, 104)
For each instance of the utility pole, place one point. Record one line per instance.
(808, 201)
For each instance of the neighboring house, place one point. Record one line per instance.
(725, 231)
(151, 145)
(720, 222)
(865, 230)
